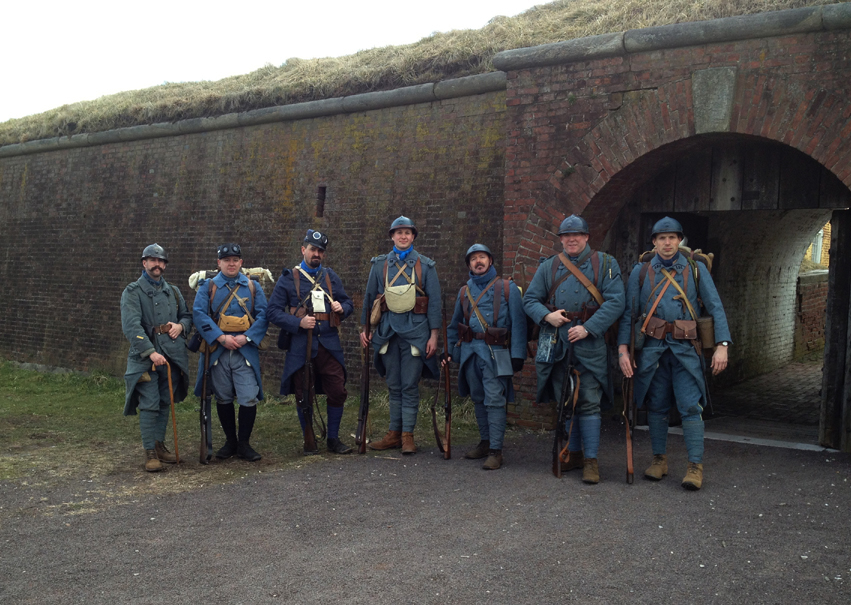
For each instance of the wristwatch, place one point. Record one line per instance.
(724, 343)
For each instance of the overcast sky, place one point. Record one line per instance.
(57, 52)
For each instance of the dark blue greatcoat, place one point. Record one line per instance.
(144, 306)
(511, 316)
(670, 310)
(283, 299)
(591, 352)
(412, 328)
(210, 331)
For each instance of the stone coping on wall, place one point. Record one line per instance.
(762, 25)
(813, 277)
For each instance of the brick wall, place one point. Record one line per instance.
(810, 310)
(75, 221)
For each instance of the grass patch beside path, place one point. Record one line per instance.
(66, 448)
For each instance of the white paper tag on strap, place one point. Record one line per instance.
(318, 298)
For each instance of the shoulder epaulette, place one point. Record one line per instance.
(379, 258)
(132, 286)
(285, 271)
(428, 261)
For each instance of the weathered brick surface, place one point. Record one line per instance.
(75, 221)
(811, 306)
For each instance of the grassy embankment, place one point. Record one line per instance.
(58, 430)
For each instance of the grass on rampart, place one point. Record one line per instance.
(437, 57)
(62, 431)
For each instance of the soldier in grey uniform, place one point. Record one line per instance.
(487, 336)
(558, 300)
(405, 339)
(155, 320)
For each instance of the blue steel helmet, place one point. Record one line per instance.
(477, 248)
(573, 224)
(155, 251)
(317, 239)
(667, 225)
(402, 221)
(226, 250)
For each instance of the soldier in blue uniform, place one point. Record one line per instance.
(487, 336)
(234, 321)
(581, 314)
(155, 319)
(670, 367)
(405, 338)
(311, 297)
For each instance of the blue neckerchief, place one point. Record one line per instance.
(483, 280)
(152, 281)
(668, 263)
(573, 259)
(308, 270)
(402, 254)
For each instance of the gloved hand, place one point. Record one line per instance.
(517, 364)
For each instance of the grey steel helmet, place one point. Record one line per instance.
(477, 248)
(315, 238)
(573, 224)
(402, 221)
(667, 225)
(154, 251)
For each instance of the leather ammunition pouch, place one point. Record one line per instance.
(421, 305)
(378, 307)
(706, 329)
(680, 329)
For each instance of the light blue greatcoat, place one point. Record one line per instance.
(670, 310)
(413, 328)
(511, 316)
(210, 331)
(144, 306)
(283, 300)
(591, 352)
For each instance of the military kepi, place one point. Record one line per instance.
(315, 238)
(226, 250)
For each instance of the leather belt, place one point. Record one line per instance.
(584, 315)
(322, 316)
(163, 329)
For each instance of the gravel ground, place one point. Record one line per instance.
(769, 526)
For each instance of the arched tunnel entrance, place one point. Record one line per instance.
(756, 205)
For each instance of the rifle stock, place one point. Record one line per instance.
(205, 450)
(447, 396)
(629, 406)
(363, 411)
(306, 403)
(568, 392)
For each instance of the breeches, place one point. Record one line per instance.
(154, 394)
(403, 379)
(672, 383)
(233, 378)
(327, 372)
(590, 389)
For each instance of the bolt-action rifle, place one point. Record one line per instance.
(363, 411)
(565, 407)
(630, 408)
(206, 446)
(444, 440)
(306, 403)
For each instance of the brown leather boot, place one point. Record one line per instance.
(694, 476)
(590, 471)
(480, 451)
(494, 460)
(658, 469)
(391, 441)
(408, 446)
(163, 454)
(576, 460)
(152, 462)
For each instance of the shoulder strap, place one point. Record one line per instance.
(592, 289)
(653, 308)
(251, 292)
(465, 304)
(683, 295)
(496, 299)
(297, 283)
(330, 288)
(595, 265)
(475, 303)
(643, 274)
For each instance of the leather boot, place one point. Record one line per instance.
(391, 441)
(494, 460)
(576, 460)
(694, 476)
(480, 451)
(163, 454)
(408, 446)
(247, 414)
(335, 446)
(658, 469)
(228, 422)
(152, 462)
(590, 471)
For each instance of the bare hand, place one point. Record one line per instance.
(336, 307)
(446, 360)
(719, 360)
(174, 330)
(624, 361)
(577, 333)
(240, 340)
(556, 319)
(157, 359)
(431, 345)
(365, 340)
(308, 322)
(228, 342)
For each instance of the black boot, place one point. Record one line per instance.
(335, 446)
(246, 425)
(228, 421)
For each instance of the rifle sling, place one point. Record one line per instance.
(574, 270)
(686, 302)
